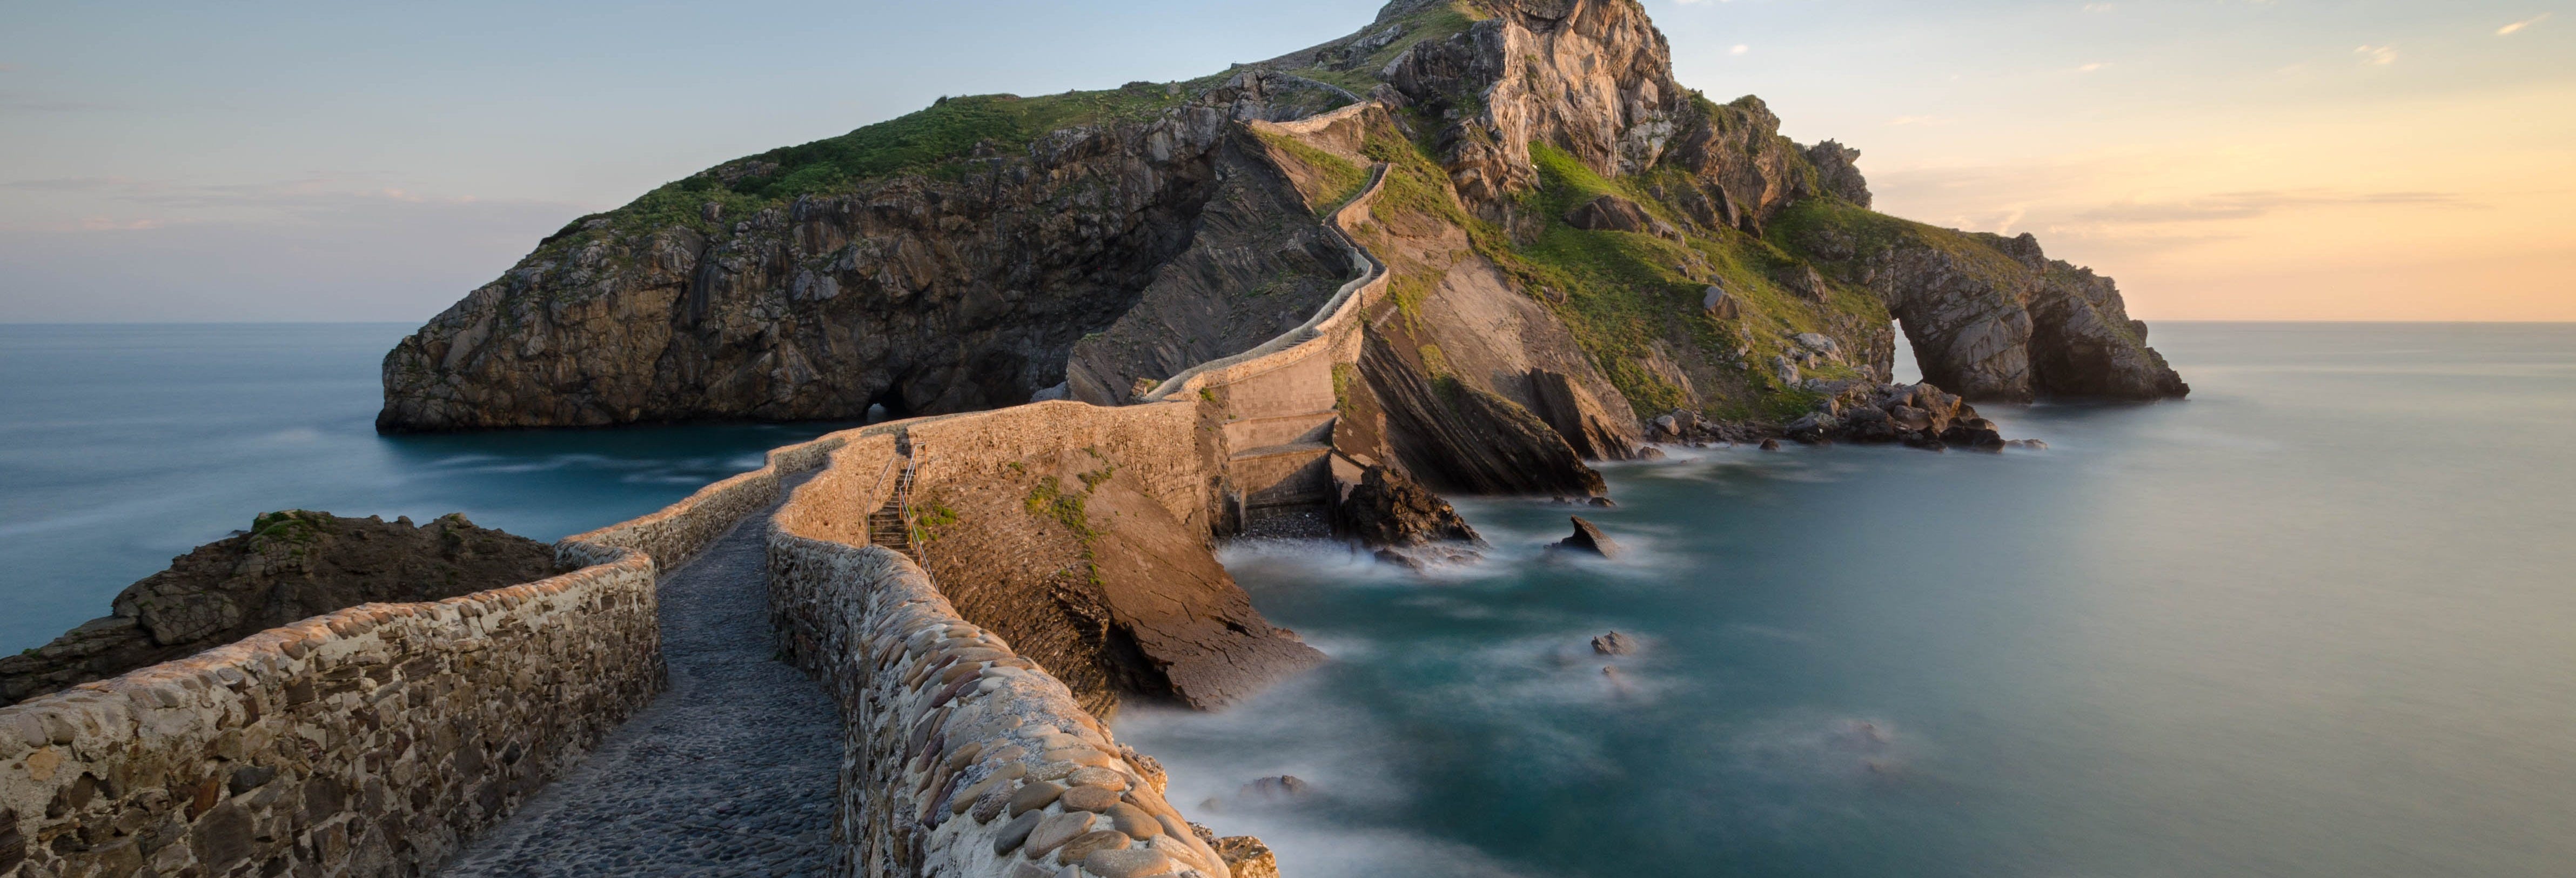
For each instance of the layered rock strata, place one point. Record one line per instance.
(288, 566)
(1091, 245)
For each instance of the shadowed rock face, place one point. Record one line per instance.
(1385, 509)
(926, 292)
(1455, 436)
(290, 566)
(1081, 571)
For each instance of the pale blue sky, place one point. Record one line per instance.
(2224, 158)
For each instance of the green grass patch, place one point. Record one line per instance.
(1049, 500)
(1339, 179)
(934, 141)
(1623, 293)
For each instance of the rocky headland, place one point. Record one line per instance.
(1568, 254)
(289, 565)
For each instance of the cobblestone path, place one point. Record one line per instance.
(731, 772)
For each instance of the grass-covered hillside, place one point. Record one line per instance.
(1632, 300)
(937, 141)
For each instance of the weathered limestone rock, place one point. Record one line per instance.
(1589, 538)
(1595, 432)
(1997, 320)
(1837, 173)
(1455, 436)
(1718, 303)
(1385, 509)
(1247, 857)
(290, 565)
(1612, 213)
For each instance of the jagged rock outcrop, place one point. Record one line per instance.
(1458, 437)
(1588, 538)
(290, 565)
(1383, 509)
(1088, 244)
(1614, 643)
(1594, 432)
(1996, 319)
(1611, 213)
(1837, 174)
(1921, 415)
(1068, 557)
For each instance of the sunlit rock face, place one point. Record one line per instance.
(992, 248)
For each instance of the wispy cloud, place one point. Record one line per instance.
(1739, 49)
(2088, 68)
(2376, 55)
(2517, 27)
(2228, 206)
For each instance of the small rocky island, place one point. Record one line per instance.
(290, 565)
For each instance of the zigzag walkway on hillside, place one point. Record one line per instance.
(731, 772)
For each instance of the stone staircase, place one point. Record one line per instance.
(889, 526)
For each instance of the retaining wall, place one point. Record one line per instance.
(371, 741)
(376, 740)
(961, 757)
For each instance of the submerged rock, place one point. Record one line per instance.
(1589, 538)
(1614, 643)
(289, 566)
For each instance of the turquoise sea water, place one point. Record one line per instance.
(2319, 620)
(124, 445)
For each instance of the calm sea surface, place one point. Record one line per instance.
(122, 446)
(2320, 620)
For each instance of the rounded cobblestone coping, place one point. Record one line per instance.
(962, 758)
(371, 741)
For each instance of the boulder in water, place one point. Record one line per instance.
(1614, 643)
(1589, 538)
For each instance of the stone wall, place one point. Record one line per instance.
(1276, 406)
(376, 740)
(1157, 444)
(961, 757)
(371, 741)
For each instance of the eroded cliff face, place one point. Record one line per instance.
(1992, 317)
(1068, 556)
(1567, 209)
(948, 282)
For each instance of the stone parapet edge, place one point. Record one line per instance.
(222, 762)
(961, 757)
